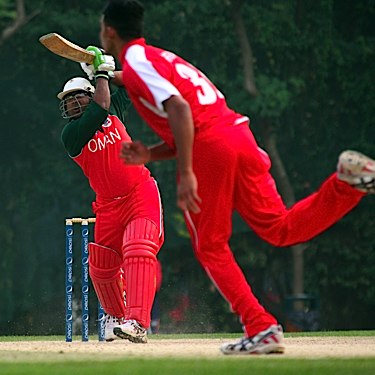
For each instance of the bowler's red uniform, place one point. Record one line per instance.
(232, 173)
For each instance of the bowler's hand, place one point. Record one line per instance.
(187, 193)
(134, 153)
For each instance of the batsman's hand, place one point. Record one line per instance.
(89, 70)
(102, 62)
(135, 153)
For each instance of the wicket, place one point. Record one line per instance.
(69, 258)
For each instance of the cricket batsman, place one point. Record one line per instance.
(129, 222)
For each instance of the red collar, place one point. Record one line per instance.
(140, 41)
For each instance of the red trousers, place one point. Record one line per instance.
(114, 214)
(233, 174)
(132, 226)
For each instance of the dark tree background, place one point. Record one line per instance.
(313, 71)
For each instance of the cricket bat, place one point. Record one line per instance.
(64, 48)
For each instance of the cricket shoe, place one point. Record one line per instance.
(132, 331)
(265, 342)
(357, 170)
(109, 323)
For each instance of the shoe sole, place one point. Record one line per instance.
(112, 339)
(269, 349)
(123, 335)
(277, 349)
(109, 337)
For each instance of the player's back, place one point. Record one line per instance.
(207, 103)
(152, 75)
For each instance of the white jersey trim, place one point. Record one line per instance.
(193, 229)
(161, 226)
(241, 120)
(160, 88)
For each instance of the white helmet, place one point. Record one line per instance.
(76, 84)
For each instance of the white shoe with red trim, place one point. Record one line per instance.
(132, 331)
(357, 170)
(109, 323)
(265, 342)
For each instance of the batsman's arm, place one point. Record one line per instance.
(102, 95)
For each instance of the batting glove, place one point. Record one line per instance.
(89, 70)
(101, 61)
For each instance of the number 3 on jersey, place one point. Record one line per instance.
(206, 92)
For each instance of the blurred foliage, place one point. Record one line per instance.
(314, 71)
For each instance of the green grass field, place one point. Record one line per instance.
(228, 366)
(94, 358)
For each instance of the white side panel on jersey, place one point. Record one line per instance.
(160, 88)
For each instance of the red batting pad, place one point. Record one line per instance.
(140, 274)
(141, 244)
(105, 272)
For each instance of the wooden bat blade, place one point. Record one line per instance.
(64, 48)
